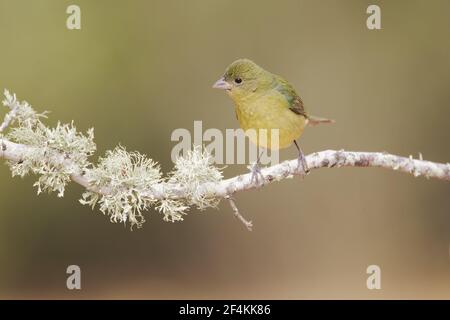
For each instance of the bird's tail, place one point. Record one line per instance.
(314, 121)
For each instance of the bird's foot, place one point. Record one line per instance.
(302, 165)
(255, 169)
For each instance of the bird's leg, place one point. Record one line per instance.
(255, 169)
(302, 161)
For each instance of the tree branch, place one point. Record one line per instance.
(324, 159)
(237, 214)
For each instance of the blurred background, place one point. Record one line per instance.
(137, 70)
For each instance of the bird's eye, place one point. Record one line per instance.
(238, 80)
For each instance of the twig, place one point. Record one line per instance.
(247, 224)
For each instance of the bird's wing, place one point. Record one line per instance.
(294, 101)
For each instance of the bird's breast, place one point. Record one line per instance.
(272, 114)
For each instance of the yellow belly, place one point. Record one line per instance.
(264, 118)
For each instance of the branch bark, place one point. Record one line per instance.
(224, 189)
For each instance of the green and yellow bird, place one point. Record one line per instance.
(264, 100)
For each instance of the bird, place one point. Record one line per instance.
(264, 100)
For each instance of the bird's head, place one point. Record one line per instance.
(244, 78)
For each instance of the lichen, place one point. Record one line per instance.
(55, 153)
(194, 170)
(119, 184)
(126, 176)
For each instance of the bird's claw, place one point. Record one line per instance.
(302, 165)
(255, 169)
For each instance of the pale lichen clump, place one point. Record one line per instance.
(172, 209)
(22, 112)
(55, 153)
(121, 180)
(191, 172)
(194, 170)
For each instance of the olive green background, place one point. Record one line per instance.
(137, 70)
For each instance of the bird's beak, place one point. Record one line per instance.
(222, 84)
